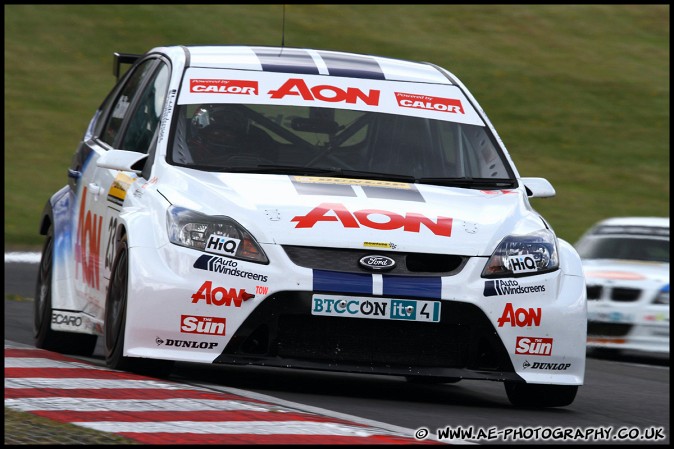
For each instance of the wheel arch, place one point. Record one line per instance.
(569, 259)
(136, 224)
(57, 214)
(60, 201)
(46, 220)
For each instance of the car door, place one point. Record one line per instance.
(128, 120)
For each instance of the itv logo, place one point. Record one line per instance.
(402, 309)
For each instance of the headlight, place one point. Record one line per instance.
(523, 255)
(213, 234)
(663, 296)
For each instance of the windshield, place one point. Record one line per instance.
(262, 138)
(625, 248)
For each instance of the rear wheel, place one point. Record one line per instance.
(115, 321)
(537, 395)
(45, 338)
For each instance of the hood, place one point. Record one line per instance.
(356, 213)
(625, 271)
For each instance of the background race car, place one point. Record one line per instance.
(626, 263)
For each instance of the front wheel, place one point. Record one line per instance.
(116, 308)
(539, 395)
(44, 337)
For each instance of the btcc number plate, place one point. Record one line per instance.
(376, 308)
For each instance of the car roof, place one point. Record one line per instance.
(653, 227)
(656, 222)
(310, 61)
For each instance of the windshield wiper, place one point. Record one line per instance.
(379, 176)
(474, 183)
(286, 170)
(334, 172)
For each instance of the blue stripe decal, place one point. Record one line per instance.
(352, 66)
(287, 60)
(425, 287)
(333, 281)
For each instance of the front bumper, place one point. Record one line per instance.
(283, 332)
(480, 333)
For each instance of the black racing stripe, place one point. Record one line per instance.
(497, 285)
(489, 289)
(286, 60)
(114, 200)
(388, 193)
(204, 262)
(352, 66)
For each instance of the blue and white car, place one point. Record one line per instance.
(307, 209)
(626, 263)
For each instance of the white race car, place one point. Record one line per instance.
(308, 209)
(626, 262)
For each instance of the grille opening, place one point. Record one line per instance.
(346, 260)
(608, 329)
(358, 340)
(432, 263)
(625, 294)
(257, 342)
(283, 329)
(487, 357)
(594, 291)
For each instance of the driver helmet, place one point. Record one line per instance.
(216, 129)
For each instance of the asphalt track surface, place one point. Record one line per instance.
(625, 399)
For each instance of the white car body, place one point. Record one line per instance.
(311, 305)
(628, 289)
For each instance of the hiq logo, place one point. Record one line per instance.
(220, 244)
(521, 264)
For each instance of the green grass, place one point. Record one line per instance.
(23, 428)
(578, 93)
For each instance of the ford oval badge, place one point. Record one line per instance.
(377, 263)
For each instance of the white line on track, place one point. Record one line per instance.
(233, 427)
(72, 383)
(131, 405)
(21, 257)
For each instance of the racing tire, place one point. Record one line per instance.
(538, 395)
(44, 337)
(115, 322)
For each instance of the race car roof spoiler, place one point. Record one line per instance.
(122, 58)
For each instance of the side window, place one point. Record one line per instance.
(122, 103)
(145, 118)
(471, 150)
